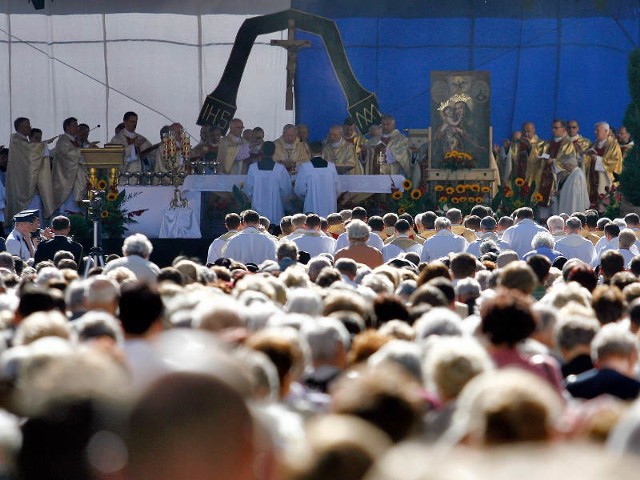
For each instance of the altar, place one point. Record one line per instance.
(155, 200)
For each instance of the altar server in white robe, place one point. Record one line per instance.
(251, 245)
(318, 183)
(268, 184)
(573, 192)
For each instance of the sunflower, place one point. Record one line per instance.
(479, 199)
(442, 199)
(463, 199)
(401, 211)
(460, 188)
(454, 200)
(450, 190)
(406, 184)
(416, 194)
(538, 197)
(439, 188)
(475, 187)
(485, 189)
(471, 199)
(102, 184)
(111, 196)
(397, 195)
(104, 214)
(519, 181)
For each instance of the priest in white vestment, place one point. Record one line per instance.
(313, 240)
(574, 196)
(133, 142)
(318, 183)
(251, 245)
(268, 184)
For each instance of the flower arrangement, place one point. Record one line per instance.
(463, 196)
(407, 199)
(455, 160)
(608, 203)
(515, 195)
(114, 215)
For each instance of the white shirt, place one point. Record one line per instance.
(315, 242)
(16, 245)
(441, 245)
(576, 246)
(519, 236)
(141, 267)
(250, 246)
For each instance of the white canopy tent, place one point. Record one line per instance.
(95, 60)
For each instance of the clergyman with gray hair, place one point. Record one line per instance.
(573, 196)
(443, 242)
(574, 245)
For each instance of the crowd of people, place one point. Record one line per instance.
(347, 347)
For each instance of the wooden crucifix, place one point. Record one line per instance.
(291, 45)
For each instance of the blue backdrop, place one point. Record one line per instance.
(548, 59)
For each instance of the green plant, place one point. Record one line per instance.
(630, 176)
(515, 195)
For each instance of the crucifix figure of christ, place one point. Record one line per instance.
(291, 45)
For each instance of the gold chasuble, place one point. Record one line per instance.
(601, 161)
(28, 173)
(227, 154)
(550, 167)
(581, 144)
(524, 158)
(398, 144)
(291, 155)
(68, 174)
(132, 160)
(343, 154)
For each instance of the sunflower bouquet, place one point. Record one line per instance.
(515, 195)
(407, 199)
(114, 215)
(455, 160)
(462, 195)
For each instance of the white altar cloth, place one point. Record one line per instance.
(156, 199)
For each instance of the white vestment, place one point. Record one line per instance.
(250, 246)
(519, 236)
(216, 247)
(267, 189)
(314, 243)
(441, 245)
(573, 194)
(319, 187)
(576, 246)
(392, 250)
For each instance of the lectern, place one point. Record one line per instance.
(108, 159)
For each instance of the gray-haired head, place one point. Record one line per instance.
(407, 355)
(438, 321)
(358, 230)
(137, 244)
(613, 340)
(555, 223)
(328, 340)
(542, 240)
(441, 223)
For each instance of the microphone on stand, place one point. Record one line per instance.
(97, 126)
